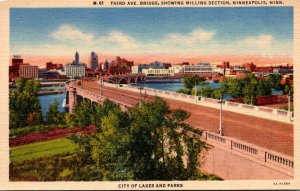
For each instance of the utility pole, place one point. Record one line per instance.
(221, 130)
(101, 84)
(289, 104)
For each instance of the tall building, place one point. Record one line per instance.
(76, 58)
(106, 65)
(29, 72)
(94, 61)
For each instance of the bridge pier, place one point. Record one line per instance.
(72, 98)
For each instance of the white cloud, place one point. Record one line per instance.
(74, 36)
(122, 39)
(261, 41)
(68, 32)
(195, 36)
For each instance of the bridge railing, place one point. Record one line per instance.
(263, 156)
(98, 98)
(258, 111)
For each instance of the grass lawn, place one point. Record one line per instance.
(41, 149)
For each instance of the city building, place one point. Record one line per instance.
(94, 61)
(76, 58)
(29, 72)
(17, 61)
(177, 69)
(250, 66)
(154, 65)
(119, 66)
(198, 68)
(158, 72)
(75, 70)
(51, 66)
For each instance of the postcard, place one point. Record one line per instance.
(149, 95)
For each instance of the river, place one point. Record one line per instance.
(46, 100)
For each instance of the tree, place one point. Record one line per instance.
(82, 113)
(184, 91)
(263, 88)
(191, 81)
(54, 116)
(250, 89)
(24, 105)
(275, 81)
(288, 89)
(149, 142)
(205, 92)
(110, 151)
(235, 87)
(159, 139)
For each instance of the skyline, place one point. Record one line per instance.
(180, 33)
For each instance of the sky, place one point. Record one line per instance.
(149, 34)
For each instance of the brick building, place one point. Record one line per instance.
(29, 72)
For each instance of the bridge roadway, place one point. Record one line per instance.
(266, 133)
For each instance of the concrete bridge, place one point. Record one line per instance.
(124, 78)
(255, 146)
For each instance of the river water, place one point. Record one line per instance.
(46, 100)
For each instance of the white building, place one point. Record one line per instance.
(75, 70)
(198, 68)
(177, 69)
(134, 69)
(218, 70)
(158, 72)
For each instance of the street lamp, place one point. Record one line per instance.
(140, 88)
(101, 89)
(289, 104)
(221, 130)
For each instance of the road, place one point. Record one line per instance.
(266, 133)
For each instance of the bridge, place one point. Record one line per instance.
(258, 141)
(124, 78)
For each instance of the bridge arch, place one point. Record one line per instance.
(132, 80)
(123, 81)
(79, 98)
(139, 79)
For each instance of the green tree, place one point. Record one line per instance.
(54, 116)
(110, 151)
(149, 142)
(158, 140)
(263, 88)
(288, 89)
(250, 89)
(82, 113)
(24, 105)
(191, 81)
(205, 92)
(274, 81)
(235, 87)
(185, 91)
